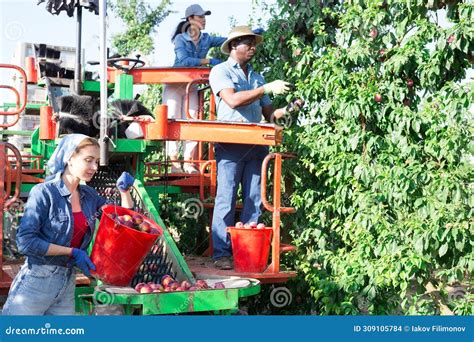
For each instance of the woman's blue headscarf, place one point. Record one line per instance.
(63, 152)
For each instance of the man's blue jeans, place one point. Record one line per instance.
(236, 164)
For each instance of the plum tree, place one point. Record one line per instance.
(383, 189)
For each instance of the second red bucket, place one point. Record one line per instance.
(250, 248)
(118, 250)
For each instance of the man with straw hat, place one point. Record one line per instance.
(242, 96)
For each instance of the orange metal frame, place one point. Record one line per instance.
(5, 192)
(19, 108)
(27, 173)
(157, 175)
(276, 209)
(153, 75)
(218, 131)
(215, 132)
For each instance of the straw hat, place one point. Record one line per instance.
(236, 32)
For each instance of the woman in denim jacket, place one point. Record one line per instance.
(57, 227)
(191, 47)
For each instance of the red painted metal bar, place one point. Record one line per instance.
(29, 158)
(199, 114)
(8, 175)
(8, 179)
(274, 208)
(155, 75)
(186, 97)
(268, 206)
(5, 113)
(219, 131)
(275, 264)
(5, 178)
(212, 117)
(212, 189)
(17, 93)
(3, 161)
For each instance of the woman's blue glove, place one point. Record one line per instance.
(82, 260)
(214, 61)
(258, 31)
(125, 181)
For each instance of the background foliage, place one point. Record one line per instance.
(383, 183)
(141, 21)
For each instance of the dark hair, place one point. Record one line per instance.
(181, 28)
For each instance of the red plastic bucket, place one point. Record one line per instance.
(250, 248)
(118, 250)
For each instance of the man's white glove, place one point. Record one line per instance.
(277, 87)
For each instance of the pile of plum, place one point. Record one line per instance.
(251, 225)
(136, 222)
(169, 284)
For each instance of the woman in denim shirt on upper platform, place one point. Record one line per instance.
(191, 48)
(56, 229)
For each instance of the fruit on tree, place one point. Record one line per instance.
(374, 33)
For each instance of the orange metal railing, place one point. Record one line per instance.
(20, 103)
(275, 208)
(211, 131)
(5, 193)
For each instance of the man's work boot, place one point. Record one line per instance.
(224, 263)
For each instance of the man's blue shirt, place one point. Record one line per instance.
(230, 75)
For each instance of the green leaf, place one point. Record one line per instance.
(354, 141)
(443, 249)
(419, 245)
(459, 245)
